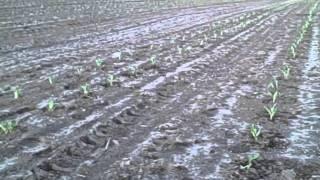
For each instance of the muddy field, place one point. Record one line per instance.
(154, 89)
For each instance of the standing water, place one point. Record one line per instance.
(305, 129)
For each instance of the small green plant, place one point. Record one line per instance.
(50, 80)
(215, 35)
(16, 92)
(273, 85)
(274, 95)
(51, 105)
(7, 127)
(183, 38)
(132, 70)
(85, 89)
(286, 71)
(205, 38)
(99, 62)
(79, 71)
(271, 111)
(255, 131)
(201, 42)
(293, 51)
(249, 164)
(153, 60)
(111, 79)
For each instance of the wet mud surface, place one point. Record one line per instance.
(189, 81)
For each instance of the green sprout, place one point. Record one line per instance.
(274, 95)
(7, 127)
(251, 158)
(99, 62)
(51, 105)
(271, 111)
(50, 80)
(201, 43)
(273, 85)
(111, 79)
(183, 38)
(215, 35)
(133, 70)
(205, 38)
(153, 60)
(255, 131)
(286, 71)
(16, 92)
(293, 52)
(85, 89)
(79, 71)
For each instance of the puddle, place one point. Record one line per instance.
(305, 129)
(35, 149)
(196, 151)
(8, 162)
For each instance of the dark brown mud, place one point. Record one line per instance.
(188, 83)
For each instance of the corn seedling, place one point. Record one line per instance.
(183, 38)
(85, 89)
(99, 62)
(111, 79)
(273, 85)
(133, 70)
(51, 105)
(79, 71)
(251, 158)
(153, 60)
(271, 111)
(215, 35)
(286, 72)
(16, 92)
(293, 51)
(50, 80)
(205, 38)
(201, 43)
(274, 94)
(255, 131)
(7, 126)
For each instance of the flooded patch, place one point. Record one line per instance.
(7, 163)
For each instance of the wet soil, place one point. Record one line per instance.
(185, 116)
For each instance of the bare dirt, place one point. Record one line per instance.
(187, 116)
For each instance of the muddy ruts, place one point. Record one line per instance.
(43, 23)
(141, 132)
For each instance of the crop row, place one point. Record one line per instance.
(272, 109)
